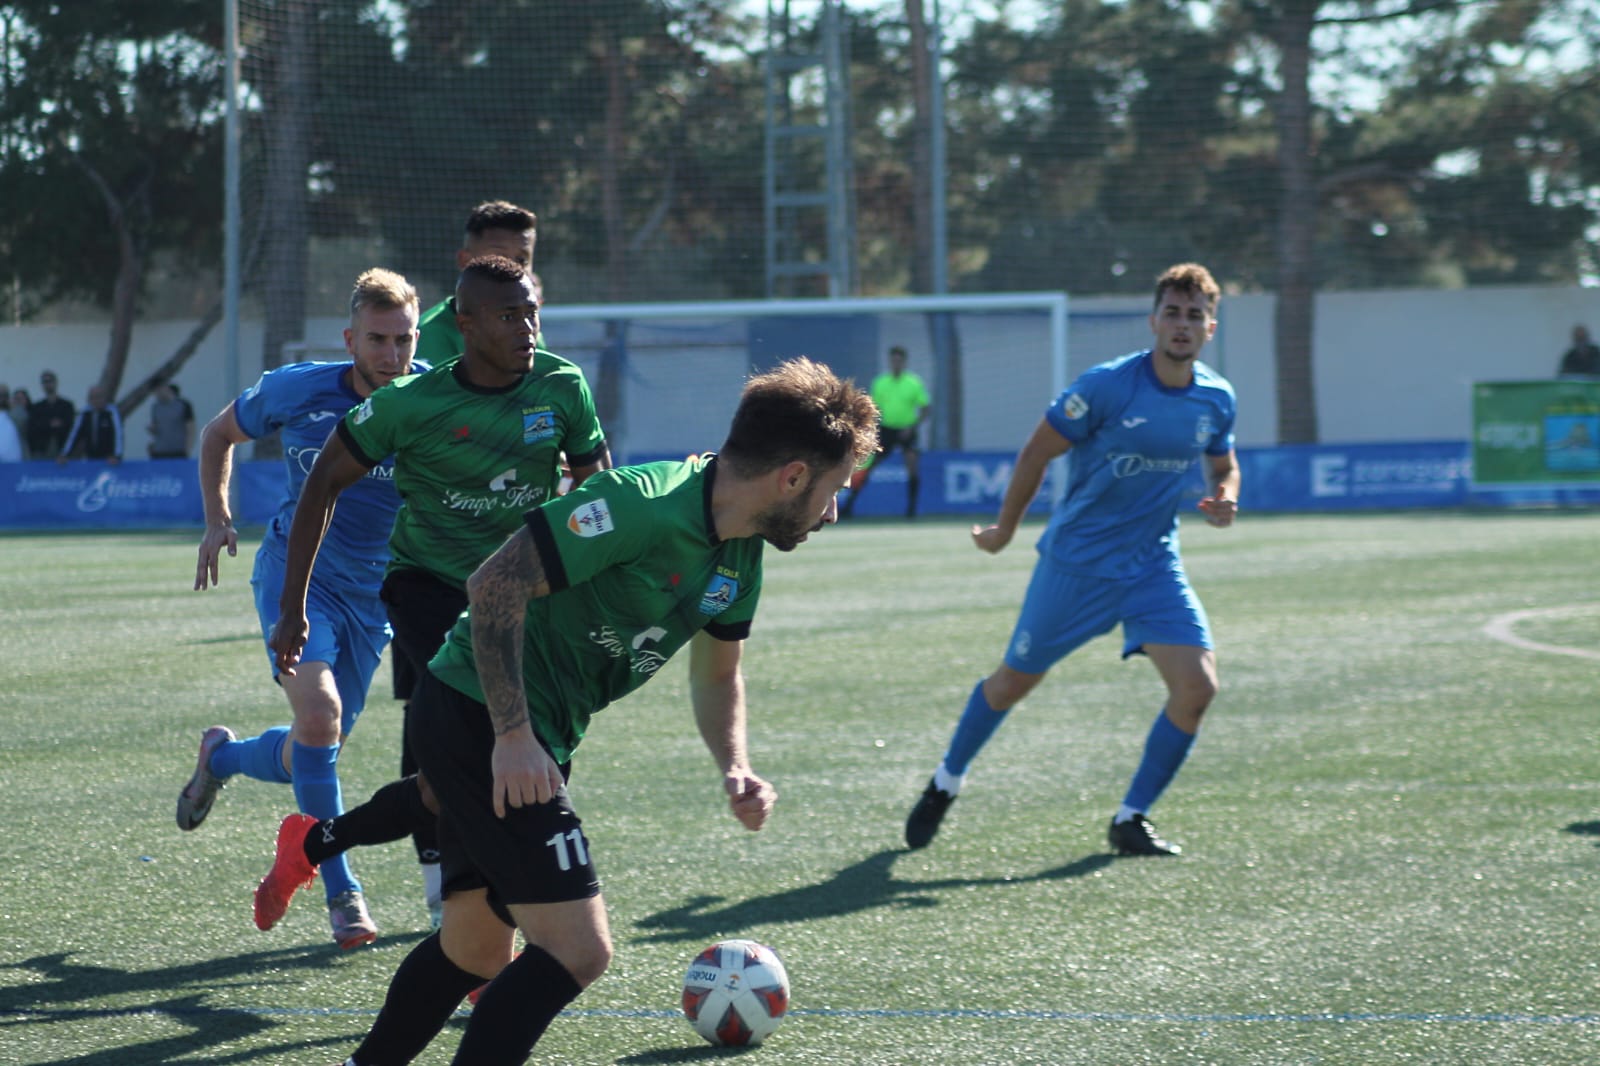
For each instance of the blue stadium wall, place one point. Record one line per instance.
(1300, 478)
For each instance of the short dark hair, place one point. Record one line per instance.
(500, 214)
(496, 269)
(1190, 278)
(801, 410)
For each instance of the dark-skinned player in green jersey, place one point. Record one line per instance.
(476, 444)
(578, 608)
(493, 227)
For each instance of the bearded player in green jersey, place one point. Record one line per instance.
(579, 607)
(476, 443)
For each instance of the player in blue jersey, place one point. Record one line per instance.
(1136, 428)
(304, 402)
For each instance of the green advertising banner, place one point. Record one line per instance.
(1536, 433)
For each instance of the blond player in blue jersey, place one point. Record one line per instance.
(302, 403)
(1135, 429)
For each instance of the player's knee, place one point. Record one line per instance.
(474, 938)
(1190, 698)
(589, 961)
(1006, 687)
(316, 727)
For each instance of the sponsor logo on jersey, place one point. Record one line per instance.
(591, 519)
(1130, 423)
(305, 458)
(363, 412)
(504, 497)
(641, 659)
(538, 425)
(720, 593)
(1132, 465)
(323, 416)
(1075, 407)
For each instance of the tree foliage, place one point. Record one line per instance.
(1292, 145)
(107, 134)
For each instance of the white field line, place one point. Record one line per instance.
(1503, 628)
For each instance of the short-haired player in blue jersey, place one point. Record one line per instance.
(303, 402)
(1136, 428)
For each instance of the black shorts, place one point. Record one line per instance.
(535, 854)
(889, 439)
(422, 609)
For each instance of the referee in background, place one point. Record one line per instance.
(903, 400)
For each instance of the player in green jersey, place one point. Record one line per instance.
(576, 609)
(494, 227)
(476, 443)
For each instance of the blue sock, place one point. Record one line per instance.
(258, 757)
(978, 723)
(316, 790)
(1164, 751)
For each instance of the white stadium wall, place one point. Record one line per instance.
(1390, 365)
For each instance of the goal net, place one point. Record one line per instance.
(667, 377)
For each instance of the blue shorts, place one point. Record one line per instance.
(349, 630)
(1063, 611)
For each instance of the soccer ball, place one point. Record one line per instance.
(735, 992)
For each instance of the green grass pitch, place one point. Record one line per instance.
(1391, 819)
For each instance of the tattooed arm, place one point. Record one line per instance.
(498, 593)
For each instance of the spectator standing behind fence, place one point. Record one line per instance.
(98, 431)
(1583, 358)
(20, 402)
(49, 420)
(903, 400)
(171, 426)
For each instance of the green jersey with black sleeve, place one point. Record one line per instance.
(470, 461)
(438, 335)
(635, 569)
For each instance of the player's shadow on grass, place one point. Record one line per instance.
(868, 884)
(64, 992)
(1584, 829)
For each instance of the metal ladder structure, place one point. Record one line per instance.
(810, 206)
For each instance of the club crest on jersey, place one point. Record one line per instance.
(720, 593)
(538, 425)
(591, 519)
(1203, 430)
(1076, 407)
(364, 412)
